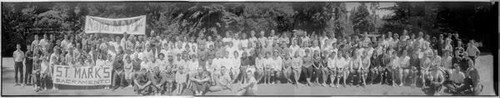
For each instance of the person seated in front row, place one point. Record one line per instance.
(250, 87)
(456, 82)
(180, 79)
(200, 81)
(118, 75)
(157, 81)
(222, 79)
(142, 84)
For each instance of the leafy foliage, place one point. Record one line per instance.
(470, 20)
(362, 21)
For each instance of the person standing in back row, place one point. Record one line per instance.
(29, 65)
(18, 64)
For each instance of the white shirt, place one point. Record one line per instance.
(43, 43)
(278, 63)
(405, 60)
(64, 44)
(293, 49)
(472, 51)
(227, 39)
(145, 65)
(331, 63)
(19, 56)
(236, 63)
(244, 43)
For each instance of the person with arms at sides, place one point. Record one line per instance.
(440, 44)
(45, 71)
(253, 39)
(29, 65)
(35, 42)
(118, 74)
(180, 79)
(250, 87)
(243, 44)
(92, 55)
(227, 38)
(296, 67)
(68, 59)
(315, 46)
(287, 67)
(307, 66)
(37, 61)
(472, 50)
(210, 42)
(66, 42)
(262, 38)
(267, 67)
(189, 64)
(294, 47)
(18, 65)
(180, 61)
(43, 43)
(54, 60)
(128, 69)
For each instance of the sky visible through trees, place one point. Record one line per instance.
(22, 20)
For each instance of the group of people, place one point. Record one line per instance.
(160, 64)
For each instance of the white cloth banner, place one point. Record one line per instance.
(82, 76)
(132, 25)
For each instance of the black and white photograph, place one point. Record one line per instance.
(249, 48)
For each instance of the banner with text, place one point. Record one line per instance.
(132, 25)
(83, 76)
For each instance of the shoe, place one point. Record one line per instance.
(37, 90)
(17, 84)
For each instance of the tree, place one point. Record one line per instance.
(339, 22)
(361, 20)
(469, 20)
